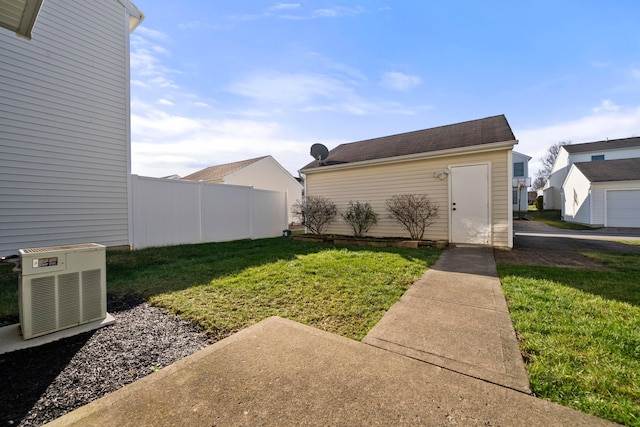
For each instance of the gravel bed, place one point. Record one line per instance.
(43, 383)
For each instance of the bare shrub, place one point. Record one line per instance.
(360, 217)
(315, 212)
(414, 211)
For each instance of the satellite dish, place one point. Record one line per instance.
(319, 152)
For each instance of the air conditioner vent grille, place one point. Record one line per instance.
(60, 248)
(44, 313)
(68, 299)
(91, 295)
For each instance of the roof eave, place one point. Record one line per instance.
(411, 157)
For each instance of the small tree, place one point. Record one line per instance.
(414, 211)
(360, 217)
(315, 212)
(539, 203)
(547, 160)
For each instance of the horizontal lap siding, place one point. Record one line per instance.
(63, 128)
(501, 193)
(598, 202)
(376, 184)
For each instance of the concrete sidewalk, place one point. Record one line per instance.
(456, 317)
(279, 372)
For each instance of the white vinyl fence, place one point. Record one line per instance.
(172, 212)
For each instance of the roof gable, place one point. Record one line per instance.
(217, 173)
(460, 135)
(610, 170)
(613, 144)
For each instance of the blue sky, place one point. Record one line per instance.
(214, 82)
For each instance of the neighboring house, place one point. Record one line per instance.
(521, 181)
(604, 193)
(466, 168)
(64, 123)
(262, 173)
(586, 152)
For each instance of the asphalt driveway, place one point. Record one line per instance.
(537, 235)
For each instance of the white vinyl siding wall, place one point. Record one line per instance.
(64, 169)
(553, 198)
(376, 183)
(578, 197)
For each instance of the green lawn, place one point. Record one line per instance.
(581, 333)
(552, 217)
(225, 287)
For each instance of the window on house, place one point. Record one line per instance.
(514, 197)
(518, 169)
(598, 157)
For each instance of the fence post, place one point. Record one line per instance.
(252, 208)
(135, 200)
(201, 217)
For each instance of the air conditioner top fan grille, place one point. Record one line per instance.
(60, 248)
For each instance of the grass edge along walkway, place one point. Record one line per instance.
(580, 334)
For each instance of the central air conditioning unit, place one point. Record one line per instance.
(60, 287)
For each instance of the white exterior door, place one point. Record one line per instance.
(470, 222)
(623, 208)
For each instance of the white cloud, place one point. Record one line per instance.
(322, 62)
(619, 123)
(400, 81)
(285, 6)
(605, 106)
(201, 104)
(151, 33)
(164, 144)
(163, 101)
(289, 89)
(147, 67)
(333, 12)
(311, 92)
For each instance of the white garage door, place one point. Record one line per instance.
(623, 208)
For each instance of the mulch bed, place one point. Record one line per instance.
(43, 383)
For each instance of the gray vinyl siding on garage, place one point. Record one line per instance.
(64, 168)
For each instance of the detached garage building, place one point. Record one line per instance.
(466, 168)
(603, 193)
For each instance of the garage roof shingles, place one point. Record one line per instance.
(611, 170)
(612, 144)
(459, 135)
(217, 173)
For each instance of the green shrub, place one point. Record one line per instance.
(539, 203)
